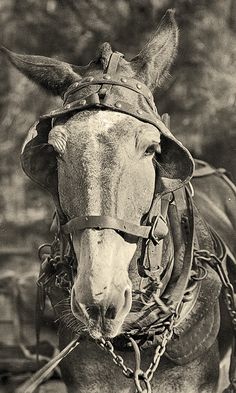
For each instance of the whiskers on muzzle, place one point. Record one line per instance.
(66, 318)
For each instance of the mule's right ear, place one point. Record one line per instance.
(152, 64)
(53, 75)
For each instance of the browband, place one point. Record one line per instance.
(128, 83)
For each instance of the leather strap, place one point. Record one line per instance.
(148, 254)
(129, 84)
(107, 81)
(105, 89)
(155, 232)
(151, 254)
(33, 383)
(177, 294)
(113, 63)
(173, 298)
(204, 169)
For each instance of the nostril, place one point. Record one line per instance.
(128, 298)
(111, 312)
(126, 294)
(94, 311)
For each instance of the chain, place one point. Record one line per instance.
(216, 264)
(145, 377)
(231, 307)
(160, 349)
(117, 359)
(139, 375)
(229, 294)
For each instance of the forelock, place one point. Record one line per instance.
(96, 122)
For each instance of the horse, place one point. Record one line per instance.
(136, 268)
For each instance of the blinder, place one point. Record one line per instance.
(38, 158)
(116, 92)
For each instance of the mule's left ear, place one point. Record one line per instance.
(51, 74)
(153, 62)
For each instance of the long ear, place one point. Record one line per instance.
(53, 75)
(153, 62)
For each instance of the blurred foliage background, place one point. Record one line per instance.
(199, 94)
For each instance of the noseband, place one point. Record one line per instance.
(154, 232)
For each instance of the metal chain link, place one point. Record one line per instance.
(160, 349)
(231, 307)
(117, 359)
(229, 295)
(216, 264)
(138, 375)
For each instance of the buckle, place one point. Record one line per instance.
(159, 229)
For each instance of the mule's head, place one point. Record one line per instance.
(106, 166)
(106, 169)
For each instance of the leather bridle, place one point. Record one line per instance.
(57, 269)
(155, 227)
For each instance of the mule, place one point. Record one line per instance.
(108, 160)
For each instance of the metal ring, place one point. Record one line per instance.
(200, 277)
(139, 376)
(191, 189)
(40, 249)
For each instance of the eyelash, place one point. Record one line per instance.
(150, 150)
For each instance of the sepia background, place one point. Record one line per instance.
(200, 93)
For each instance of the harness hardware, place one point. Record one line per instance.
(57, 270)
(153, 236)
(216, 263)
(138, 374)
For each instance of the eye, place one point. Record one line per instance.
(154, 148)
